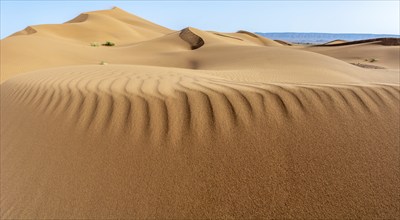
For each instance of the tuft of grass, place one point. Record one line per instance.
(94, 44)
(103, 63)
(371, 60)
(108, 44)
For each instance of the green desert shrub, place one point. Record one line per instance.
(94, 44)
(109, 44)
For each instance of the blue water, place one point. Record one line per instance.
(319, 38)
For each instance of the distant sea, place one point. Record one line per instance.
(319, 38)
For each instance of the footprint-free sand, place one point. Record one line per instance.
(195, 124)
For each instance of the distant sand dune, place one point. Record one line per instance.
(284, 42)
(383, 52)
(335, 42)
(380, 41)
(263, 40)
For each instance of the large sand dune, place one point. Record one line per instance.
(193, 124)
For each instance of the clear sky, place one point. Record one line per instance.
(378, 17)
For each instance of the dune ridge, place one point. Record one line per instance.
(191, 38)
(335, 42)
(80, 18)
(237, 100)
(97, 26)
(263, 40)
(194, 124)
(381, 41)
(284, 42)
(27, 31)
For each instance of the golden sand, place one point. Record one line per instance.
(194, 124)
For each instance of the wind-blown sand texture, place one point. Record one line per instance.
(193, 124)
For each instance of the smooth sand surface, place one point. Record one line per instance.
(193, 124)
(372, 53)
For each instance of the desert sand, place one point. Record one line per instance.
(195, 124)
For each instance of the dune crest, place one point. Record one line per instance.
(335, 42)
(263, 40)
(380, 41)
(80, 18)
(284, 42)
(98, 26)
(191, 38)
(27, 31)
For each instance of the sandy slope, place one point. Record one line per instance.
(386, 56)
(114, 25)
(193, 124)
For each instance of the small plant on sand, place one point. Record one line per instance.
(109, 44)
(94, 44)
(371, 60)
(103, 63)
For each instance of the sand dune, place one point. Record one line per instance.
(384, 53)
(284, 42)
(69, 44)
(99, 26)
(335, 42)
(194, 124)
(277, 63)
(380, 41)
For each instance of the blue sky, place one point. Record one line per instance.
(379, 17)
